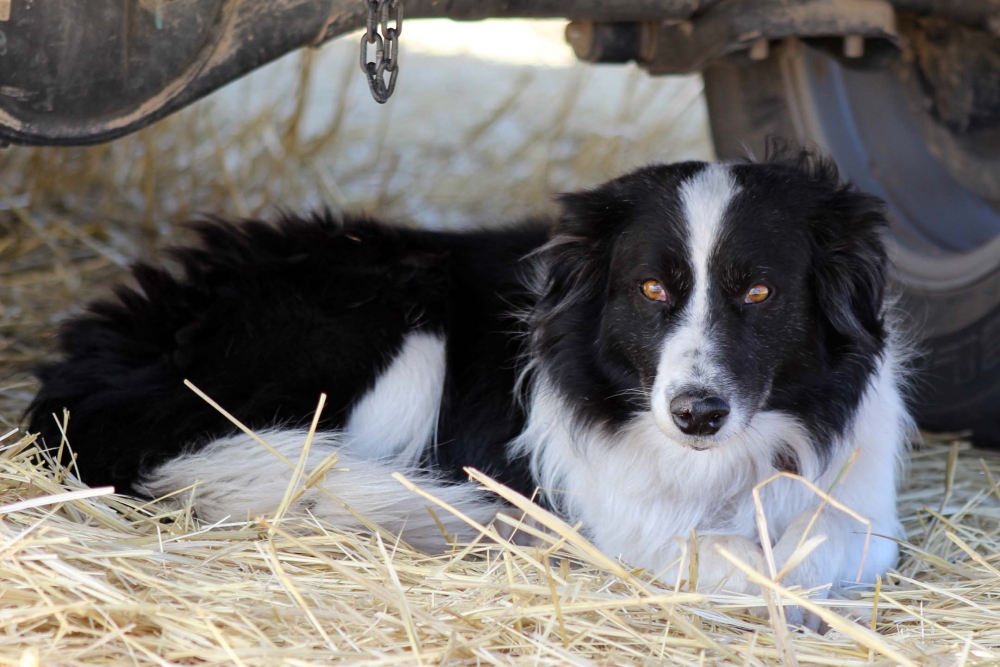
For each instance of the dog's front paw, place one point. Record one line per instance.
(716, 572)
(521, 529)
(806, 580)
(795, 616)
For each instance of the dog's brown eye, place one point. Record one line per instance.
(756, 294)
(654, 291)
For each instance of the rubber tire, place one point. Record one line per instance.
(957, 383)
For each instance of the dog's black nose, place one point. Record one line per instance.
(699, 415)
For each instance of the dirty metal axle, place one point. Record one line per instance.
(87, 71)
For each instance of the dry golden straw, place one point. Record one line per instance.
(90, 577)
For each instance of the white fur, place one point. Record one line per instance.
(640, 494)
(641, 491)
(238, 479)
(881, 432)
(686, 359)
(637, 490)
(387, 431)
(399, 415)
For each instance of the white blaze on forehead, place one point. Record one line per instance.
(685, 359)
(704, 200)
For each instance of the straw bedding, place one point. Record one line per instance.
(93, 578)
(89, 577)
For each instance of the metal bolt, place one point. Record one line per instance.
(993, 24)
(580, 35)
(760, 49)
(608, 42)
(854, 46)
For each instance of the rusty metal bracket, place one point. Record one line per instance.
(860, 31)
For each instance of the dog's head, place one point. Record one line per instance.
(707, 294)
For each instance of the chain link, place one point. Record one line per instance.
(386, 46)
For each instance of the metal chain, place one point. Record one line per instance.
(386, 47)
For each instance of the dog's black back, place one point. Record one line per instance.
(265, 318)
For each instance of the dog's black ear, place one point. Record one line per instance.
(850, 261)
(576, 262)
(593, 215)
(851, 267)
(577, 256)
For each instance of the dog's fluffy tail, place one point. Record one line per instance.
(236, 478)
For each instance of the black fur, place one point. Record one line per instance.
(265, 318)
(831, 343)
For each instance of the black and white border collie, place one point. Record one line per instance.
(679, 335)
